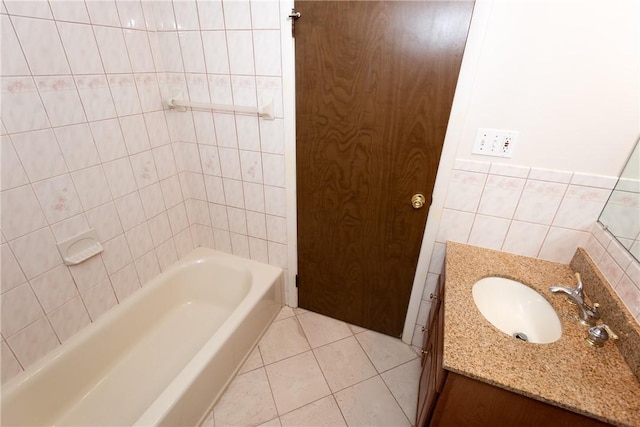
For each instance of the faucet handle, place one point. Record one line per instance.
(579, 287)
(571, 293)
(590, 316)
(599, 334)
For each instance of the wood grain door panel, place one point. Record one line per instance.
(374, 87)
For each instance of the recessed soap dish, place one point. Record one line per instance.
(80, 248)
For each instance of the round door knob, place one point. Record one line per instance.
(417, 201)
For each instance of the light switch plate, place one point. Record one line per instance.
(495, 142)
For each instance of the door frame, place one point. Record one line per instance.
(287, 47)
(452, 142)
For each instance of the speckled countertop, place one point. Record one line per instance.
(568, 373)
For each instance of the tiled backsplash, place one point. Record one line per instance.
(86, 142)
(533, 212)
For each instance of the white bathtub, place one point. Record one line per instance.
(162, 357)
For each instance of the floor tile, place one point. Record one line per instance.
(209, 421)
(304, 357)
(321, 413)
(403, 383)
(254, 361)
(246, 402)
(283, 339)
(296, 382)
(344, 363)
(271, 423)
(285, 312)
(355, 329)
(384, 351)
(300, 311)
(370, 404)
(321, 330)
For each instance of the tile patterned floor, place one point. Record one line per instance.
(311, 370)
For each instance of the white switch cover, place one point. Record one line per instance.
(495, 142)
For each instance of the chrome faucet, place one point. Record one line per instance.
(587, 315)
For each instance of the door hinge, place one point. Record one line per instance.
(297, 281)
(294, 15)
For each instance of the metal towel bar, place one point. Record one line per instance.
(265, 111)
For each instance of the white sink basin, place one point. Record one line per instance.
(517, 310)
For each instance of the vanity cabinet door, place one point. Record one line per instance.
(427, 387)
(432, 375)
(471, 403)
(438, 327)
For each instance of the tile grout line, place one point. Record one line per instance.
(267, 374)
(378, 373)
(332, 393)
(383, 381)
(296, 315)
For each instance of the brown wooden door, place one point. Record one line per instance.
(374, 87)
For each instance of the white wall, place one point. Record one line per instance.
(564, 74)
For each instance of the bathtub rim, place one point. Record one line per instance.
(146, 420)
(164, 403)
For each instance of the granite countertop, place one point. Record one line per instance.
(568, 373)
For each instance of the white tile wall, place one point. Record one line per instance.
(496, 208)
(63, 166)
(620, 268)
(86, 143)
(532, 212)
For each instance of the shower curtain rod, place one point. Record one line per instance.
(265, 111)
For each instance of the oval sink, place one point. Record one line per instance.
(517, 310)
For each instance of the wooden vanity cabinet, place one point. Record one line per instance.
(432, 375)
(447, 399)
(465, 402)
